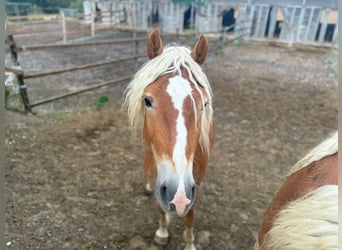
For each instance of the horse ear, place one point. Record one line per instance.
(154, 44)
(200, 51)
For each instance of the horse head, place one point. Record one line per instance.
(174, 105)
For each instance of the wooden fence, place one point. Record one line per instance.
(44, 29)
(260, 20)
(60, 27)
(21, 75)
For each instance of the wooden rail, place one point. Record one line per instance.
(80, 67)
(60, 23)
(13, 70)
(34, 17)
(21, 74)
(70, 45)
(95, 86)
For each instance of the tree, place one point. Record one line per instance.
(76, 4)
(51, 6)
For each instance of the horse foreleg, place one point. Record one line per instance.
(150, 171)
(188, 234)
(256, 246)
(162, 235)
(149, 187)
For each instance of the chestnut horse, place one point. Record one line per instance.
(170, 98)
(303, 214)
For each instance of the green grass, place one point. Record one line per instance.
(332, 64)
(100, 102)
(58, 115)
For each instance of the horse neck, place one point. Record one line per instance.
(299, 184)
(326, 148)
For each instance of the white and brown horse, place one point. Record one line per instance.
(170, 98)
(303, 214)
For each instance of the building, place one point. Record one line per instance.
(299, 21)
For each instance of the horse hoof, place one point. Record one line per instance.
(256, 246)
(190, 247)
(161, 239)
(148, 189)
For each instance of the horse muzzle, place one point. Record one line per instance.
(175, 192)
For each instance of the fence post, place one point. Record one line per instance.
(20, 79)
(136, 50)
(111, 13)
(63, 26)
(23, 93)
(92, 23)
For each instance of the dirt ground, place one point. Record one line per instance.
(74, 175)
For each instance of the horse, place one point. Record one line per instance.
(303, 214)
(170, 99)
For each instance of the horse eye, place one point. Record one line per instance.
(204, 106)
(148, 102)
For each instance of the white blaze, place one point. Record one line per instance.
(178, 89)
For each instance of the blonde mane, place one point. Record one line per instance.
(172, 60)
(326, 148)
(310, 222)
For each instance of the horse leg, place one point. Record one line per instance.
(162, 235)
(150, 170)
(188, 234)
(149, 187)
(256, 246)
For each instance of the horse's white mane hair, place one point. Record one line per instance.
(310, 222)
(326, 148)
(172, 60)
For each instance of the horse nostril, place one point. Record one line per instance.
(193, 192)
(163, 193)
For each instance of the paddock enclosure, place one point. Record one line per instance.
(74, 173)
